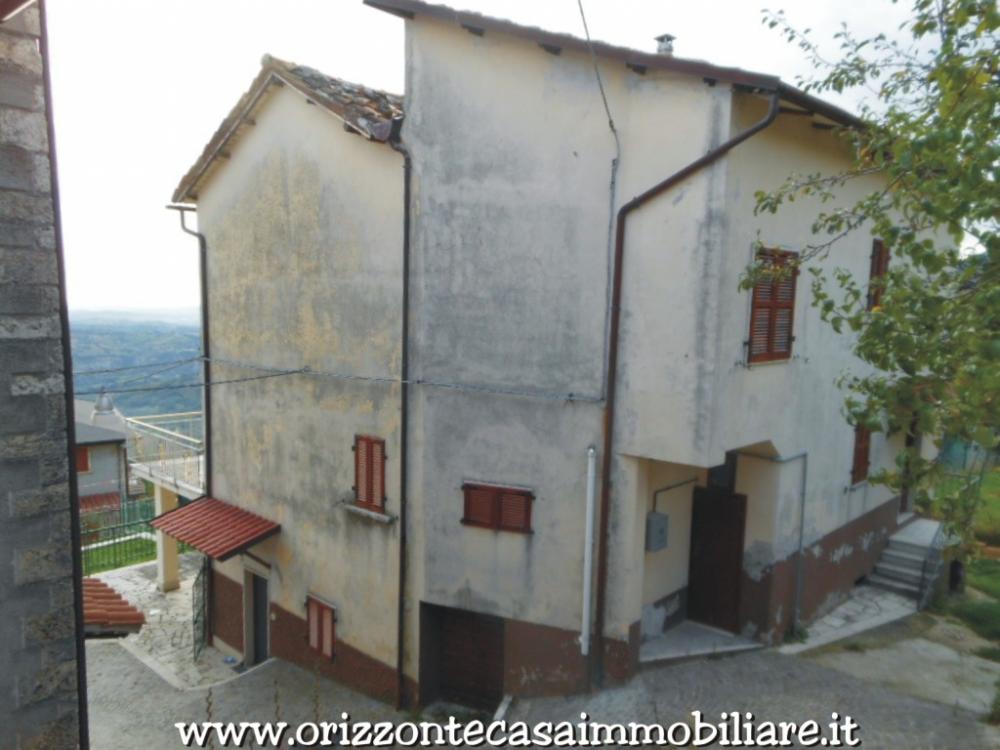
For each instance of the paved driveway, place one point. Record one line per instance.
(778, 688)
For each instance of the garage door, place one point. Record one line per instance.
(470, 653)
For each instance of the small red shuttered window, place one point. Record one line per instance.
(879, 268)
(82, 458)
(862, 447)
(499, 508)
(321, 618)
(369, 472)
(772, 308)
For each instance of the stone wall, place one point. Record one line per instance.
(38, 668)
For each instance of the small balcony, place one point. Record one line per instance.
(169, 450)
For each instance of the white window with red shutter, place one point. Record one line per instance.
(772, 308)
(321, 619)
(369, 472)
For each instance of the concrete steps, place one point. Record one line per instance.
(911, 561)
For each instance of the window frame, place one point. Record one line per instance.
(374, 473)
(877, 269)
(316, 610)
(861, 464)
(82, 450)
(772, 306)
(496, 522)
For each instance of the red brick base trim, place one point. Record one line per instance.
(830, 569)
(290, 641)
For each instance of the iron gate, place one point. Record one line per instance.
(199, 606)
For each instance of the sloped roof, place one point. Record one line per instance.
(638, 60)
(215, 527)
(91, 434)
(107, 612)
(369, 112)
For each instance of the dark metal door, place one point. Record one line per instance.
(260, 607)
(471, 658)
(199, 606)
(718, 520)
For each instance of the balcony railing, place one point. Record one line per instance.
(168, 450)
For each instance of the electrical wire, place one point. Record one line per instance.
(273, 372)
(147, 365)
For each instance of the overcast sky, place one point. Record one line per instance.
(140, 86)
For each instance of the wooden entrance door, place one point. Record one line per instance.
(718, 520)
(470, 657)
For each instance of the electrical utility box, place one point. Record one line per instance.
(657, 526)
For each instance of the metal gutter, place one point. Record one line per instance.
(83, 723)
(616, 295)
(404, 402)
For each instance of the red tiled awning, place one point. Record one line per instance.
(106, 611)
(215, 527)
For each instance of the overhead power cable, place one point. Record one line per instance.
(144, 366)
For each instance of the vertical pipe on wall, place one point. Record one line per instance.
(640, 200)
(588, 550)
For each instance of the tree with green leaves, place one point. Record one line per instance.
(930, 132)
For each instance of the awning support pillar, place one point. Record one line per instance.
(167, 567)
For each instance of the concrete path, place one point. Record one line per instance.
(866, 608)
(778, 688)
(166, 642)
(132, 708)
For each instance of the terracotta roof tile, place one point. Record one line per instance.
(106, 611)
(215, 527)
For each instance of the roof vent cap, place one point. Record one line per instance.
(665, 44)
(104, 404)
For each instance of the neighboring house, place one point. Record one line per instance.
(101, 457)
(459, 381)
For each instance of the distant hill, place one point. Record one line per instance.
(115, 340)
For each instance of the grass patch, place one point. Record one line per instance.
(988, 522)
(989, 652)
(982, 616)
(118, 555)
(994, 715)
(984, 574)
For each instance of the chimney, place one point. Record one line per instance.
(665, 44)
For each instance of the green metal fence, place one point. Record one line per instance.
(117, 546)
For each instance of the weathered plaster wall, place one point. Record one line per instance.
(510, 291)
(105, 473)
(304, 230)
(38, 670)
(793, 406)
(665, 572)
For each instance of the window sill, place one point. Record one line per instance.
(856, 486)
(486, 527)
(372, 515)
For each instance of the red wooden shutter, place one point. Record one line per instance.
(82, 458)
(321, 619)
(498, 508)
(862, 446)
(515, 511)
(362, 470)
(479, 506)
(377, 472)
(772, 310)
(326, 630)
(879, 266)
(312, 616)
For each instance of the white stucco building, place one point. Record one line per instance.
(473, 331)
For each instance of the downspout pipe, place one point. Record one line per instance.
(804, 457)
(404, 402)
(588, 552)
(616, 296)
(206, 391)
(83, 723)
